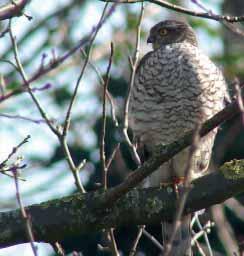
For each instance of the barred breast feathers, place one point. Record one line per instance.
(175, 87)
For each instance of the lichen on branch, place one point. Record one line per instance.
(57, 219)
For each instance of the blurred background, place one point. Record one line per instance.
(55, 28)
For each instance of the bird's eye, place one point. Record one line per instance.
(163, 31)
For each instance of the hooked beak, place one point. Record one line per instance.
(150, 39)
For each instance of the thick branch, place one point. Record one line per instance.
(163, 153)
(78, 214)
(12, 9)
(180, 9)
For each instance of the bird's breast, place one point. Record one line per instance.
(175, 88)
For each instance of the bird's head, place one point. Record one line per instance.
(169, 32)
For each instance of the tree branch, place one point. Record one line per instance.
(78, 214)
(57, 61)
(177, 8)
(12, 9)
(163, 153)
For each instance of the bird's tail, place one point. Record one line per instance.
(181, 245)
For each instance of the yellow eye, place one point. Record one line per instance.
(163, 31)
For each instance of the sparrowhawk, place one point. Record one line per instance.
(176, 87)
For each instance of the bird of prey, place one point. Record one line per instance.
(176, 87)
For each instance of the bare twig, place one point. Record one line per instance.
(180, 9)
(235, 206)
(36, 121)
(153, 239)
(200, 5)
(136, 241)
(25, 217)
(58, 249)
(57, 13)
(27, 84)
(110, 232)
(134, 208)
(8, 169)
(142, 231)
(54, 129)
(4, 32)
(14, 170)
(186, 189)
(73, 168)
(92, 39)
(2, 85)
(23, 89)
(103, 130)
(10, 62)
(200, 250)
(14, 151)
(102, 248)
(224, 230)
(133, 63)
(206, 229)
(239, 99)
(13, 9)
(109, 161)
(56, 61)
(62, 137)
(108, 95)
(233, 28)
(163, 153)
(113, 245)
(203, 231)
(59, 60)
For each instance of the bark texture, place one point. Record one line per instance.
(82, 213)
